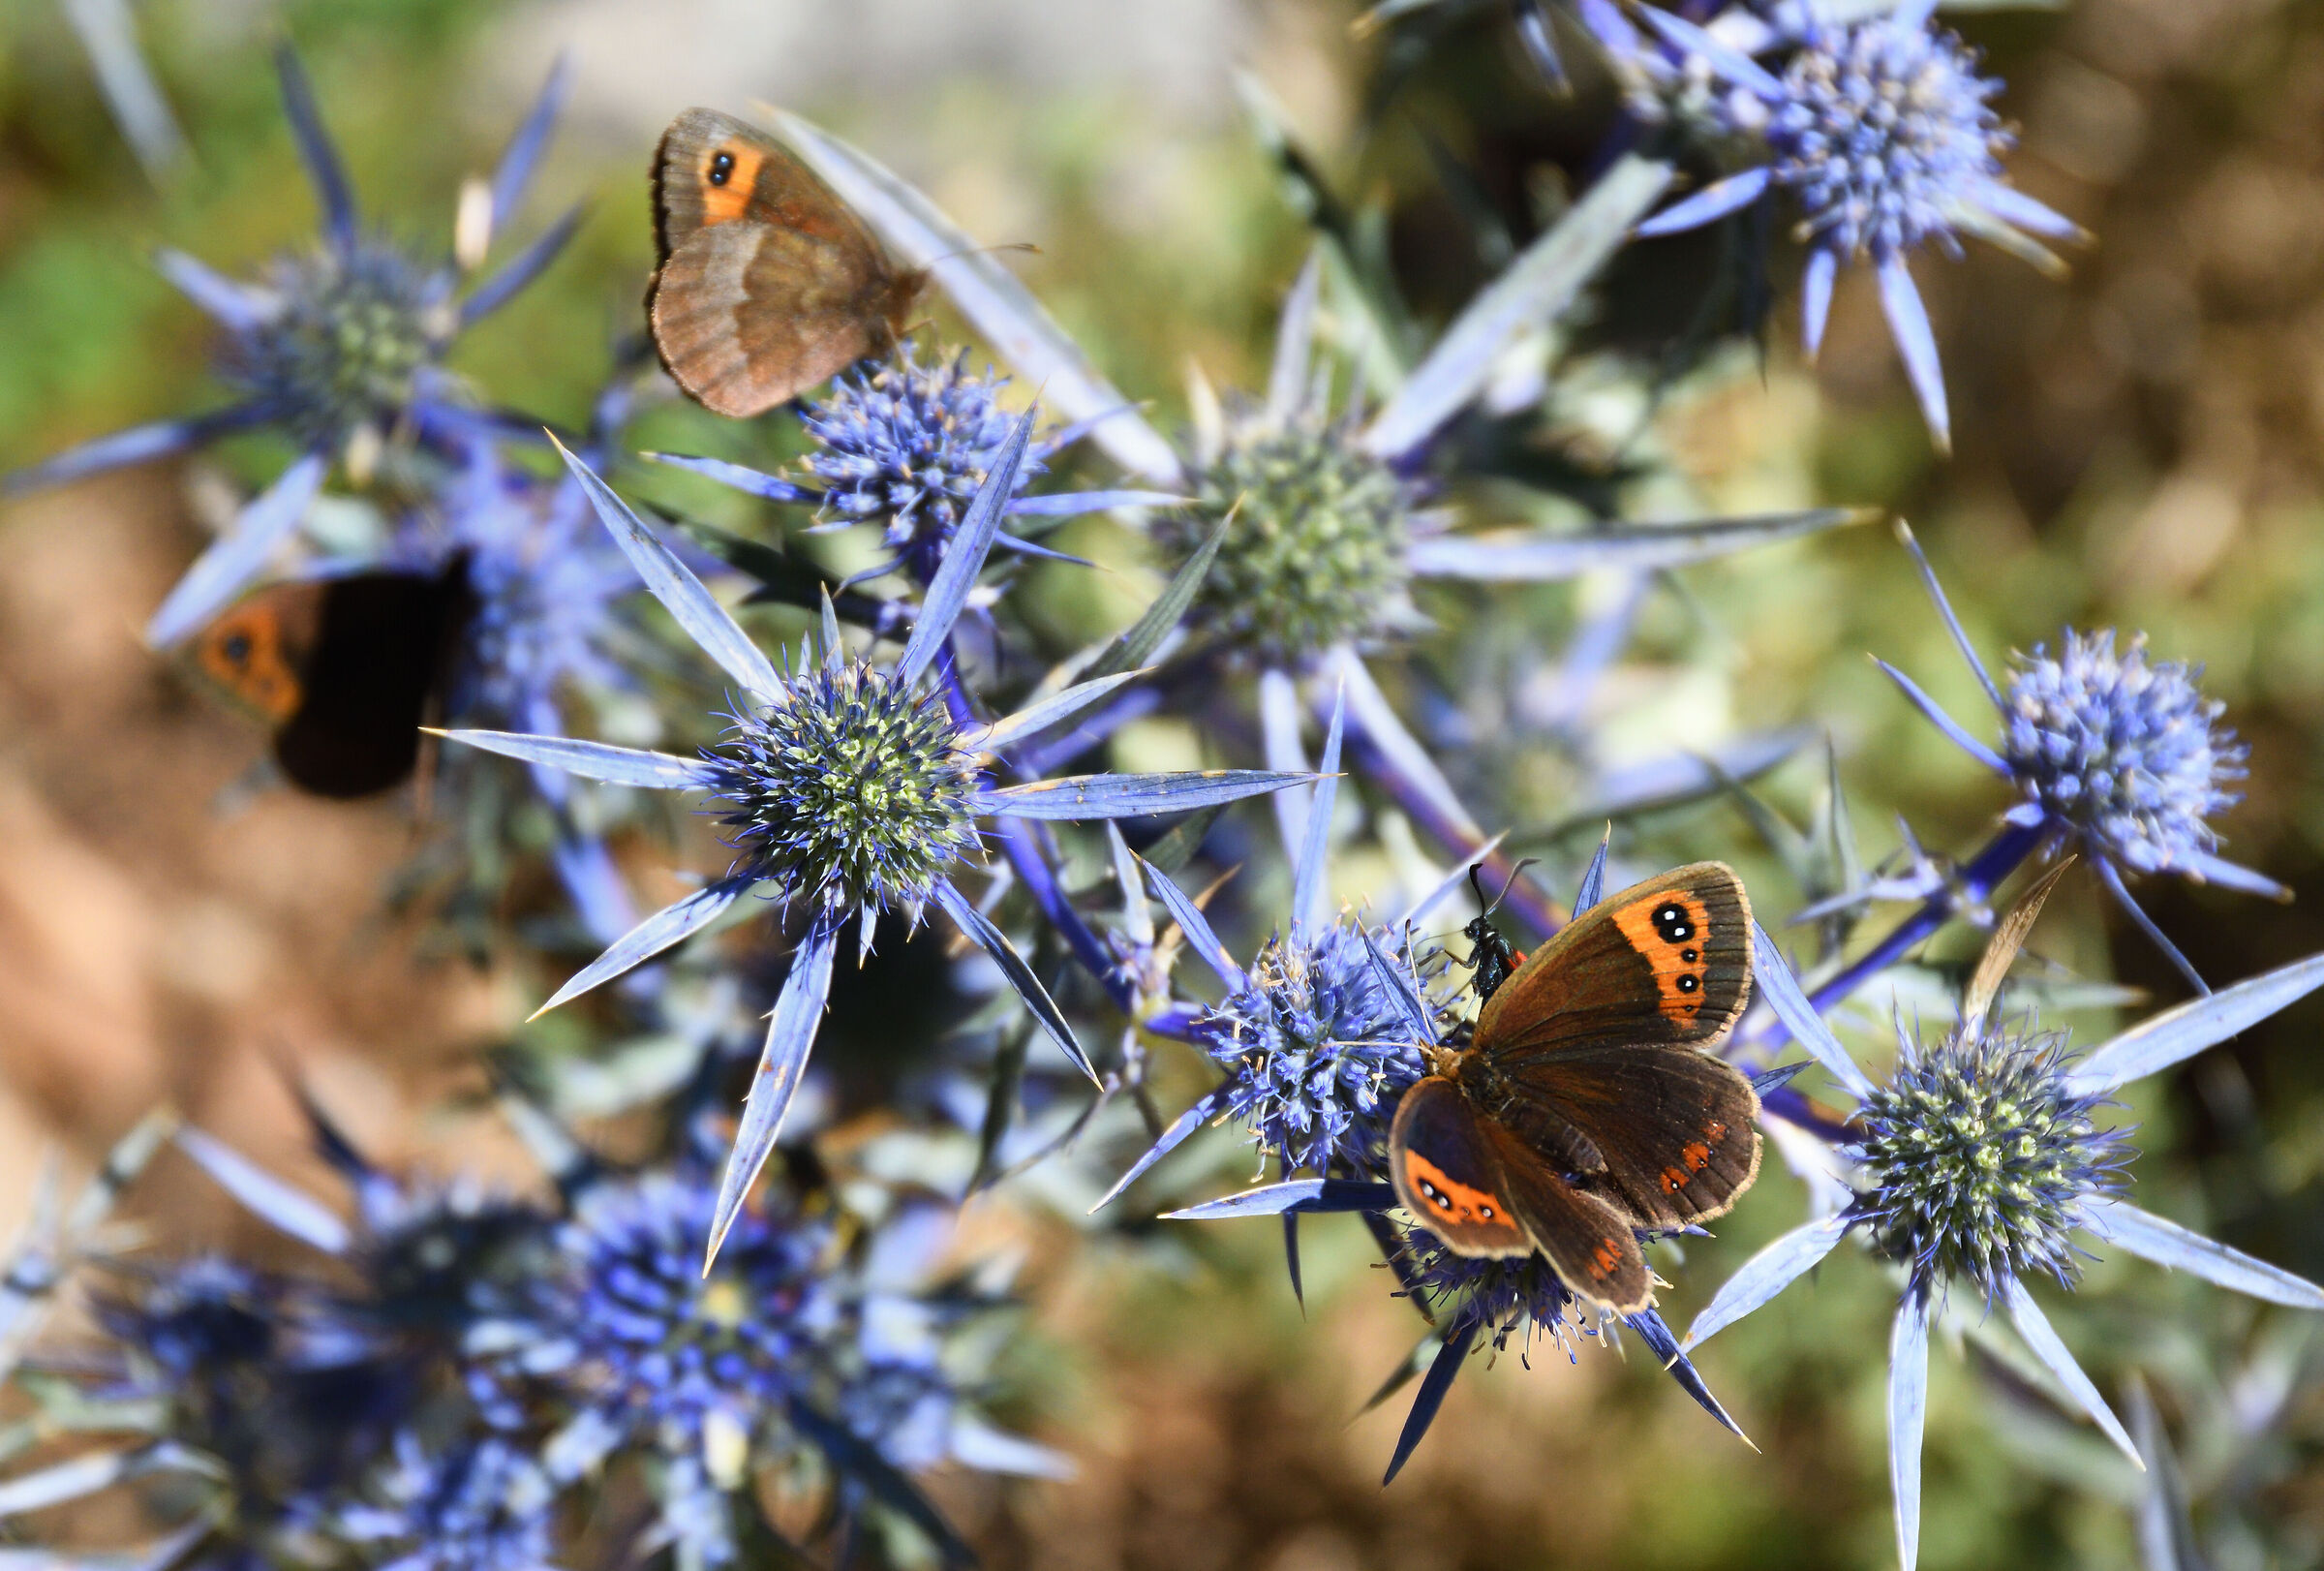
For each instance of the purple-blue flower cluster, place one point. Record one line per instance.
(746, 1310)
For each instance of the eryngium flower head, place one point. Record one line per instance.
(1497, 1298)
(1315, 555)
(2126, 751)
(655, 1342)
(1318, 1049)
(1981, 1158)
(854, 791)
(346, 341)
(1885, 133)
(910, 443)
(479, 1505)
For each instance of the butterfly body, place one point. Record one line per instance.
(1584, 1108)
(767, 284)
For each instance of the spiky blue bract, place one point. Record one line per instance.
(1980, 1156)
(1318, 1048)
(2125, 751)
(1315, 554)
(855, 789)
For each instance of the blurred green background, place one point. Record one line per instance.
(2136, 447)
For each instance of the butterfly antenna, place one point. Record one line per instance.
(1026, 246)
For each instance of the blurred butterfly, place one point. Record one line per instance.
(767, 284)
(1583, 1108)
(346, 670)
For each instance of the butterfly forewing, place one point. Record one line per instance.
(1665, 961)
(1448, 1173)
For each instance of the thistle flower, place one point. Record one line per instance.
(849, 790)
(1980, 1161)
(545, 582)
(478, 1505)
(1884, 134)
(907, 445)
(1315, 534)
(1317, 1049)
(2116, 758)
(340, 348)
(788, 1347)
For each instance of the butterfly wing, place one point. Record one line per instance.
(1598, 1036)
(1447, 1170)
(711, 168)
(382, 650)
(1476, 1186)
(1665, 961)
(748, 316)
(256, 651)
(769, 283)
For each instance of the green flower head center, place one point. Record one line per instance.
(1316, 555)
(855, 788)
(351, 339)
(1979, 1161)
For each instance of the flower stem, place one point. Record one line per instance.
(1985, 873)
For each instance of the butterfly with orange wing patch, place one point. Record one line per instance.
(1585, 1108)
(346, 671)
(767, 284)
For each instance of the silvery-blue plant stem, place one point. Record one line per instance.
(1985, 873)
(1024, 851)
(1531, 908)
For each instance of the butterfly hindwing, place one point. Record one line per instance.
(1588, 1242)
(1667, 961)
(1447, 1170)
(1674, 1131)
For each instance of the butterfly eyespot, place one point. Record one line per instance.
(237, 648)
(1484, 1213)
(1689, 984)
(1671, 920)
(721, 168)
(1690, 956)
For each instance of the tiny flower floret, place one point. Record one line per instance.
(1980, 1158)
(349, 338)
(1316, 555)
(1318, 1049)
(1885, 133)
(2128, 753)
(854, 791)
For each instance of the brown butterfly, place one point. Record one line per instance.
(767, 282)
(1583, 1108)
(345, 670)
